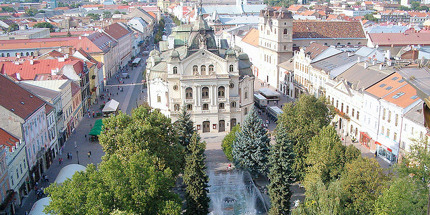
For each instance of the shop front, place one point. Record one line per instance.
(367, 141)
(387, 153)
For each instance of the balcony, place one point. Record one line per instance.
(222, 110)
(206, 100)
(188, 101)
(206, 111)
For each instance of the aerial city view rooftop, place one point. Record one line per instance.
(221, 107)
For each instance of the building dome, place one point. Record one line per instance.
(243, 56)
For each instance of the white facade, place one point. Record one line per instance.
(17, 167)
(413, 128)
(275, 43)
(216, 88)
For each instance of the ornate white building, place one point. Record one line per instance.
(215, 85)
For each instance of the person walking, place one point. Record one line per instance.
(89, 154)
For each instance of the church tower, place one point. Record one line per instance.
(275, 42)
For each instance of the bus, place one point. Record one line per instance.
(273, 112)
(270, 94)
(260, 101)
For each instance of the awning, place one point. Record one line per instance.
(111, 106)
(68, 171)
(137, 60)
(97, 128)
(39, 206)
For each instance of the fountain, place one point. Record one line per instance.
(234, 193)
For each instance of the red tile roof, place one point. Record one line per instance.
(96, 43)
(28, 71)
(7, 140)
(38, 43)
(23, 103)
(387, 85)
(400, 39)
(116, 30)
(403, 97)
(327, 29)
(252, 37)
(75, 88)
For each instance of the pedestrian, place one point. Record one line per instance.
(68, 155)
(85, 136)
(46, 178)
(71, 156)
(376, 154)
(93, 114)
(59, 161)
(89, 154)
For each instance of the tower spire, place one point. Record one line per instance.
(200, 12)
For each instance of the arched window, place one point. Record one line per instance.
(231, 68)
(175, 70)
(26, 54)
(8, 55)
(221, 92)
(189, 93)
(203, 70)
(211, 68)
(233, 104)
(189, 107)
(285, 31)
(221, 105)
(176, 107)
(205, 107)
(195, 70)
(246, 111)
(31, 53)
(2, 54)
(205, 93)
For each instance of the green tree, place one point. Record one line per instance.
(327, 156)
(370, 17)
(227, 142)
(117, 12)
(94, 16)
(184, 128)
(136, 185)
(281, 3)
(417, 162)
(406, 195)
(321, 198)
(415, 5)
(31, 12)
(280, 174)
(251, 146)
(196, 179)
(8, 10)
(45, 25)
(362, 181)
(302, 121)
(145, 129)
(12, 27)
(107, 14)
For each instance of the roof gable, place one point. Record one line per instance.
(252, 37)
(116, 31)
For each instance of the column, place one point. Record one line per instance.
(199, 95)
(214, 94)
(196, 96)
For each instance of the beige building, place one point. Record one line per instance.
(275, 43)
(216, 86)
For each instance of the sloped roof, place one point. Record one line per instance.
(363, 78)
(307, 29)
(23, 103)
(116, 30)
(400, 39)
(96, 42)
(315, 49)
(28, 71)
(252, 37)
(403, 96)
(7, 139)
(38, 43)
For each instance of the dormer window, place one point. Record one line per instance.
(175, 70)
(231, 68)
(211, 68)
(285, 31)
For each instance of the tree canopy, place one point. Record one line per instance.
(196, 179)
(184, 128)
(227, 142)
(45, 25)
(145, 129)
(282, 3)
(280, 174)
(136, 186)
(302, 121)
(251, 146)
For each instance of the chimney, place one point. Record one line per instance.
(31, 62)
(358, 60)
(70, 51)
(389, 62)
(365, 65)
(18, 76)
(66, 56)
(380, 66)
(61, 59)
(373, 62)
(80, 37)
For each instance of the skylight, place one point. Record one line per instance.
(414, 97)
(401, 81)
(398, 95)
(394, 78)
(382, 85)
(389, 88)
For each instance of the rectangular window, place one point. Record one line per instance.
(389, 116)
(396, 120)
(347, 109)
(395, 137)
(358, 115)
(388, 133)
(353, 112)
(158, 98)
(382, 130)
(383, 114)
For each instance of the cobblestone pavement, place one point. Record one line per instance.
(125, 98)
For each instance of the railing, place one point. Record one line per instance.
(189, 100)
(205, 100)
